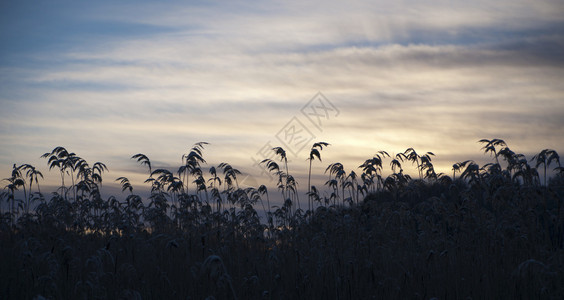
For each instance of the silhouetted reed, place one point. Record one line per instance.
(493, 231)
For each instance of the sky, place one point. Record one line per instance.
(110, 79)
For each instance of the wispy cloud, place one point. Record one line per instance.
(112, 80)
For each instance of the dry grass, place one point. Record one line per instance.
(488, 237)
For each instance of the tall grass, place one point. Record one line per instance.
(495, 231)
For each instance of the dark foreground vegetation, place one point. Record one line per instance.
(488, 232)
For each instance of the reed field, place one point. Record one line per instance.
(492, 231)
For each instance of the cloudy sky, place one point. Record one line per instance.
(109, 80)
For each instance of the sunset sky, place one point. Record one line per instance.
(109, 80)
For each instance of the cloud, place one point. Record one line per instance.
(436, 77)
